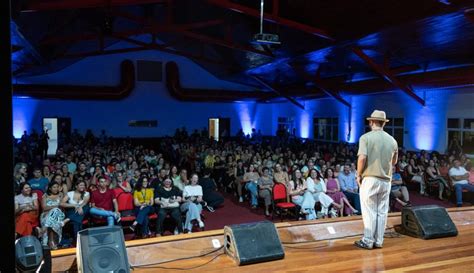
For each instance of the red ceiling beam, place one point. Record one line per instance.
(193, 35)
(388, 75)
(278, 92)
(40, 5)
(276, 8)
(143, 30)
(168, 26)
(220, 42)
(165, 48)
(320, 85)
(334, 94)
(469, 13)
(272, 17)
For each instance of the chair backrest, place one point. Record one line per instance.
(279, 191)
(39, 193)
(125, 201)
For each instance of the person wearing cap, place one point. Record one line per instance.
(378, 153)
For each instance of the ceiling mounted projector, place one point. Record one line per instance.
(265, 38)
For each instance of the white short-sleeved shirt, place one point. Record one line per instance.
(24, 201)
(192, 191)
(458, 171)
(71, 198)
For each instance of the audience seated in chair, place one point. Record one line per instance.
(265, 185)
(52, 218)
(349, 187)
(211, 196)
(415, 174)
(250, 179)
(76, 205)
(239, 172)
(459, 175)
(167, 201)
(333, 190)
(433, 176)
(317, 187)
(192, 204)
(143, 199)
(103, 203)
(399, 191)
(301, 196)
(26, 211)
(38, 182)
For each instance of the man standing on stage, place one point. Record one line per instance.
(377, 154)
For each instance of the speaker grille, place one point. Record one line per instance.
(102, 249)
(104, 260)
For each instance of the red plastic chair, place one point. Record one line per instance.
(280, 201)
(125, 206)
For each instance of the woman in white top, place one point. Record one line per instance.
(317, 187)
(26, 211)
(76, 204)
(300, 196)
(192, 196)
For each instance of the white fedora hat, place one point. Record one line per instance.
(378, 115)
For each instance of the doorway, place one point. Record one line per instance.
(219, 128)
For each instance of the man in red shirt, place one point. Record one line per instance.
(104, 203)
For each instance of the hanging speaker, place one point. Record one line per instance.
(253, 242)
(427, 222)
(102, 249)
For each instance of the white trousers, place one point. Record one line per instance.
(374, 199)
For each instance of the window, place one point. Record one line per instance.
(326, 129)
(286, 125)
(461, 130)
(395, 127)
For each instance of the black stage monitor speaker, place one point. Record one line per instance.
(29, 253)
(253, 242)
(102, 249)
(427, 222)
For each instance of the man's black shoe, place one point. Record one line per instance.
(362, 244)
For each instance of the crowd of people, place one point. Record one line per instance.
(177, 177)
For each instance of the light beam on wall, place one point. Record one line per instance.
(424, 124)
(304, 124)
(24, 110)
(246, 112)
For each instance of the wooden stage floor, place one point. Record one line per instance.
(330, 250)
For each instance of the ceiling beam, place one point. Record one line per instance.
(142, 30)
(290, 99)
(387, 75)
(272, 18)
(334, 94)
(40, 5)
(193, 35)
(167, 49)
